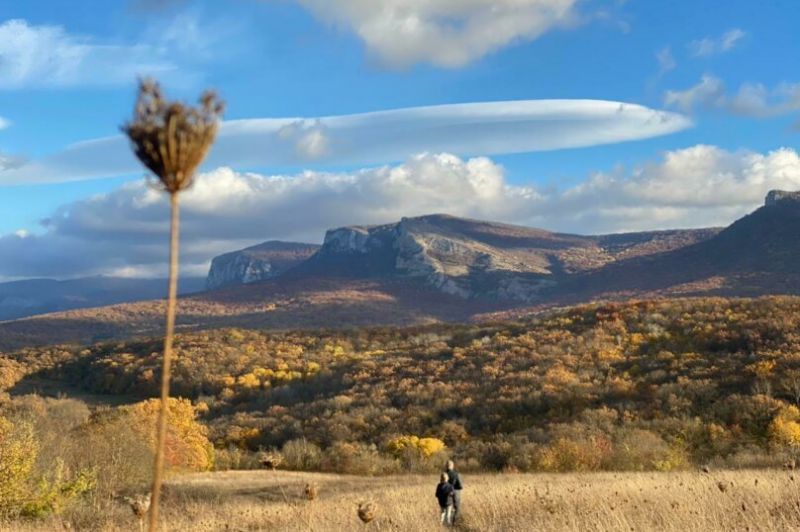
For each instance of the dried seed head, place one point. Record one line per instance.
(367, 511)
(172, 139)
(311, 490)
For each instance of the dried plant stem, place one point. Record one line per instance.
(158, 467)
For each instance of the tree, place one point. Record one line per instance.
(171, 140)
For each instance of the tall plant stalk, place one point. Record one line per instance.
(171, 140)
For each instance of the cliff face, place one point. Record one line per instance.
(257, 263)
(471, 258)
(776, 196)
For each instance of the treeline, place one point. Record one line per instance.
(641, 385)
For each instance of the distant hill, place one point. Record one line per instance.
(38, 296)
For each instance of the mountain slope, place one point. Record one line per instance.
(757, 254)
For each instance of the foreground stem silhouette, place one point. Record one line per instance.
(171, 140)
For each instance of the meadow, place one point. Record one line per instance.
(274, 500)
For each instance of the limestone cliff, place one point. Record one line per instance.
(257, 263)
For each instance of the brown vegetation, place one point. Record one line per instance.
(642, 386)
(679, 502)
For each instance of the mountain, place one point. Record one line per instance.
(477, 259)
(439, 268)
(257, 263)
(38, 296)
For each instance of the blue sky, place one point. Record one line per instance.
(70, 71)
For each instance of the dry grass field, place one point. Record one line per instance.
(265, 500)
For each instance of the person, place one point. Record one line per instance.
(455, 481)
(445, 494)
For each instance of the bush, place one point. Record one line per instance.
(642, 450)
(302, 455)
(357, 459)
(18, 451)
(120, 457)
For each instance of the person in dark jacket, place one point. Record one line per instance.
(455, 481)
(445, 494)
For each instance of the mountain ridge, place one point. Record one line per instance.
(440, 268)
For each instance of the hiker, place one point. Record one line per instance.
(445, 494)
(455, 481)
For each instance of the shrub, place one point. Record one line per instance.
(357, 459)
(18, 451)
(300, 454)
(642, 450)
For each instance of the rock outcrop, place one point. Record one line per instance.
(776, 196)
(471, 258)
(257, 263)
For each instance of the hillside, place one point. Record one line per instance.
(635, 385)
(333, 302)
(757, 254)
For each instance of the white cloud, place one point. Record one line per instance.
(666, 61)
(126, 230)
(708, 93)
(752, 99)
(448, 33)
(10, 162)
(309, 138)
(487, 128)
(4, 123)
(169, 48)
(709, 46)
(48, 56)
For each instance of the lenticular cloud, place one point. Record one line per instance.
(489, 128)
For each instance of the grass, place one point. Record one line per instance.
(267, 500)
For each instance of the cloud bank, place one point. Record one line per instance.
(488, 128)
(123, 232)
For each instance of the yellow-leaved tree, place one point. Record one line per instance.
(785, 427)
(186, 445)
(425, 447)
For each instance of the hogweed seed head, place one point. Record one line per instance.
(172, 139)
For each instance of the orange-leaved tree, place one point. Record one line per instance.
(171, 140)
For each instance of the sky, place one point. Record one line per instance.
(586, 116)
